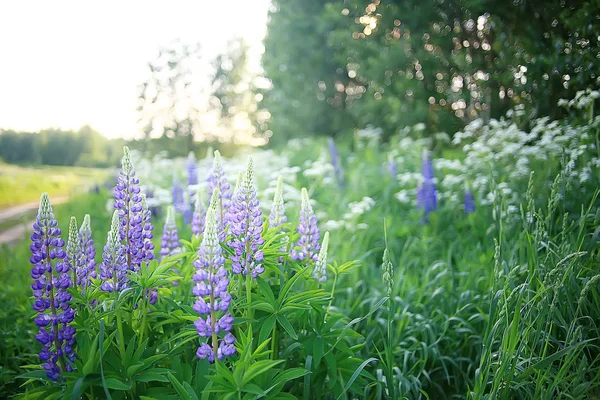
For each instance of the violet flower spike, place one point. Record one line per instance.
(426, 192)
(213, 300)
(199, 216)
(217, 179)
(128, 201)
(51, 281)
(192, 169)
(336, 162)
(469, 201)
(88, 250)
(113, 270)
(147, 235)
(307, 248)
(320, 271)
(246, 228)
(169, 244)
(277, 216)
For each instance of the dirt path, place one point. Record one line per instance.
(20, 230)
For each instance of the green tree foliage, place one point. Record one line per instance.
(336, 64)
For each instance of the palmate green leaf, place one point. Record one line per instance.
(283, 321)
(153, 375)
(117, 384)
(267, 326)
(258, 368)
(265, 291)
(288, 285)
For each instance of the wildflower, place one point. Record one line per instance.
(320, 271)
(75, 258)
(426, 192)
(336, 162)
(148, 246)
(113, 270)
(217, 179)
(169, 243)
(392, 167)
(307, 247)
(213, 299)
(277, 215)
(192, 169)
(469, 202)
(179, 201)
(51, 281)
(128, 202)
(199, 216)
(246, 227)
(88, 251)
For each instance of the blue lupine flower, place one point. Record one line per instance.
(169, 243)
(128, 202)
(51, 281)
(113, 270)
(88, 250)
(307, 248)
(426, 192)
(246, 226)
(147, 235)
(469, 202)
(392, 167)
(213, 299)
(217, 179)
(192, 169)
(320, 271)
(277, 215)
(182, 205)
(336, 162)
(199, 216)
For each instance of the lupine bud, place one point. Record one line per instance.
(88, 250)
(169, 243)
(320, 271)
(214, 204)
(128, 202)
(51, 281)
(199, 216)
(307, 248)
(277, 215)
(388, 272)
(213, 299)
(75, 257)
(217, 179)
(246, 226)
(113, 270)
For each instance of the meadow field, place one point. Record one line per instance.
(416, 268)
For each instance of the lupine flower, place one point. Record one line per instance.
(213, 299)
(214, 204)
(179, 201)
(75, 257)
(277, 215)
(217, 179)
(147, 235)
(246, 227)
(113, 270)
(192, 169)
(426, 192)
(469, 202)
(336, 162)
(88, 250)
(388, 272)
(392, 167)
(307, 248)
(320, 271)
(169, 243)
(128, 202)
(199, 216)
(51, 281)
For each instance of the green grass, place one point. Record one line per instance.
(20, 185)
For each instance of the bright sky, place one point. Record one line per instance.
(69, 63)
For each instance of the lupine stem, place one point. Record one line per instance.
(335, 277)
(119, 325)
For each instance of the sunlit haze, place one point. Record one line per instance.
(70, 63)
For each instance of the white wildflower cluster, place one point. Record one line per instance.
(583, 100)
(351, 219)
(369, 135)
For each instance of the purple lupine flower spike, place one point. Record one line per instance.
(88, 250)
(192, 169)
(113, 270)
(199, 216)
(147, 235)
(307, 248)
(320, 271)
(469, 201)
(392, 167)
(75, 256)
(246, 226)
(128, 202)
(426, 193)
(169, 243)
(213, 300)
(336, 162)
(182, 205)
(51, 281)
(277, 215)
(217, 179)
